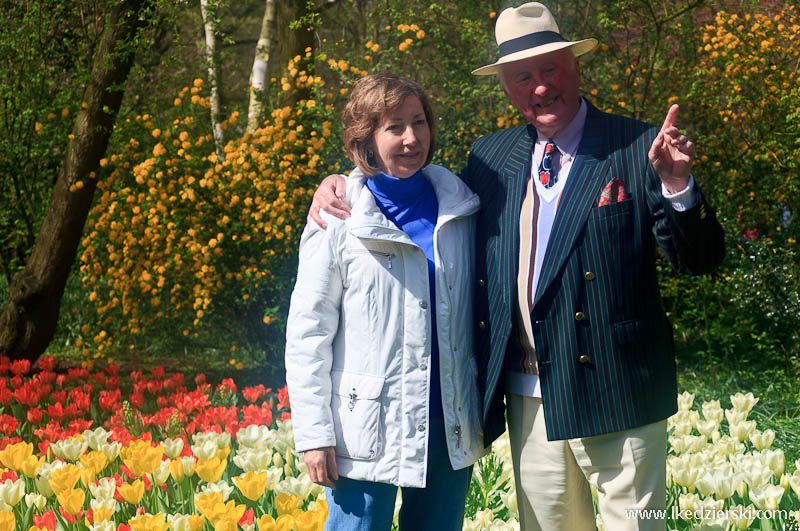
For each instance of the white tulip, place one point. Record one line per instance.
(172, 447)
(96, 437)
(743, 402)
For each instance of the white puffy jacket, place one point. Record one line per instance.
(358, 339)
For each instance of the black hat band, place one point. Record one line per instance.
(531, 40)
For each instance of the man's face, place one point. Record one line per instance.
(544, 89)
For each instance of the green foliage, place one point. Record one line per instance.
(44, 60)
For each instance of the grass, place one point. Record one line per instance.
(778, 390)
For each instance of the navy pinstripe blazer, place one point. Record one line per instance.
(611, 368)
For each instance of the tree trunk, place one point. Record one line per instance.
(30, 315)
(209, 27)
(293, 42)
(261, 68)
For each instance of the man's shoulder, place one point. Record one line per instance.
(506, 138)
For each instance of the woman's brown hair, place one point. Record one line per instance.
(372, 97)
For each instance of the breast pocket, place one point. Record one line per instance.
(357, 409)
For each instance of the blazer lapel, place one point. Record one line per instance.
(590, 165)
(515, 174)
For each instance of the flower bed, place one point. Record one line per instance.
(77, 454)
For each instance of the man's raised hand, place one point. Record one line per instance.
(672, 154)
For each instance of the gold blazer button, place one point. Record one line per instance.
(584, 358)
(482, 324)
(589, 275)
(481, 283)
(579, 316)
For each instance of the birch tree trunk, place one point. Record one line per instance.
(209, 26)
(261, 68)
(29, 317)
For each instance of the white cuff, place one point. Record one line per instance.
(683, 200)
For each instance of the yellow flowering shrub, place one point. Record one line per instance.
(181, 235)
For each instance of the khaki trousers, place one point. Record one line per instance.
(553, 478)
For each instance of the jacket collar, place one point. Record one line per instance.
(367, 221)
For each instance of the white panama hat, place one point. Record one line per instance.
(527, 31)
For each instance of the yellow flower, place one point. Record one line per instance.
(148, 522)
(15, 455)
(72, 500)
(159, 150)
(252, 485)
(285, 522)
(141, 457)
(403, 46)
(101, 513)
(205, 502)
(210, 470)
(307, 521)
(94, 461)
(132, 492)
(7, 521)
(286, 503)
(64, 478)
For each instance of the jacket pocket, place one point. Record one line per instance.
(627, 332)
(356, 408)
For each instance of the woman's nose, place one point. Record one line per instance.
(409, 138)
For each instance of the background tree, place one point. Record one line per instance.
(29, 316)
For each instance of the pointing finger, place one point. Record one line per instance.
(672, 115)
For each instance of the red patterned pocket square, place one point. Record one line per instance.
(614, 192)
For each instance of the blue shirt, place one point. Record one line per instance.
(411, 205)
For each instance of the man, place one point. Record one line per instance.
(570, 326)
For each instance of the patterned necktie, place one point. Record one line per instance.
(547, 175)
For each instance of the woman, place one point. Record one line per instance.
(379, 359)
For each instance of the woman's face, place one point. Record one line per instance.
(402, 139)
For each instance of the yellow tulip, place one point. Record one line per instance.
(210, 470)
(148, 522)
(72, 500)
(141, 457)
(252, 485)
(226, 516)
(322, 508)
(205, 503)
(65, 478)
(266, 523)
(7, 521)
(286, 503)
(132, 492)
(30, 465)
(176, 470)
(94, 461)
(14, 455)
(307, 521)
(101, 513)
(285, 522)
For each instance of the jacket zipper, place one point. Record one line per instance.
(388, 256)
